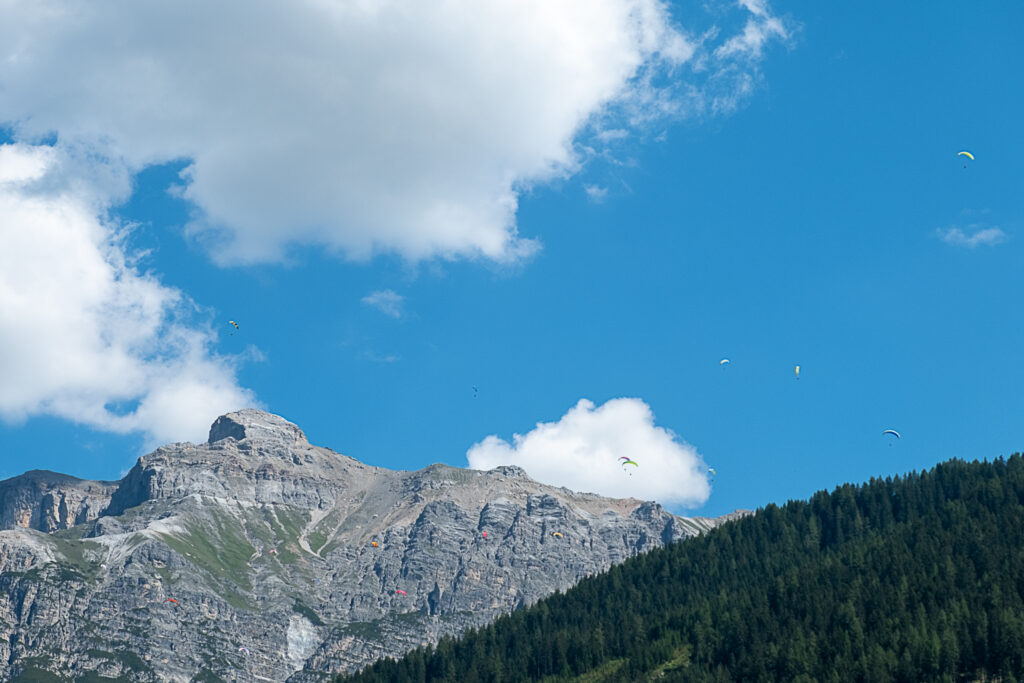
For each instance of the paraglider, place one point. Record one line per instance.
(273, 551)
(399, 592)
(171, 600)
(796, 371)
(623, 457)
(232, 322)
(893, 432)
(485, 534)
(475, 390)
(630, 462)
(244, 650)
(374, 544)
(724, 361)
(965, 153)
(556, 534)
(711, 470)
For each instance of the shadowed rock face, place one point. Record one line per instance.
(267, 542)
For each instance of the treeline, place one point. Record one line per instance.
(917, 578)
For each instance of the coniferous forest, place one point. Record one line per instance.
(916, 578)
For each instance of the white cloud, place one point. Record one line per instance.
(581, 452)
(980, 236)
(84, 334)
(595, 193)
(398, 125)
(759, 8)
(759, 30)
(387, 301)
(612, 134)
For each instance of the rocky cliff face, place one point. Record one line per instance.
(257, 556)
(48, 501)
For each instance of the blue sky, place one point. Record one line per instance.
(820, 217)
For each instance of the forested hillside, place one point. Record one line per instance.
(918, 578)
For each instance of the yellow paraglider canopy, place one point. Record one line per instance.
(967, 154)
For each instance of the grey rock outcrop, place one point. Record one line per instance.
(48, 501)
(258, 556)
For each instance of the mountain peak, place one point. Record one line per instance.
(256, 425)
(259, 540)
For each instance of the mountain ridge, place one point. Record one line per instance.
(910, 578)
(307, 559)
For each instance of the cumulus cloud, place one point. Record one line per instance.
(980, 237)
(581, 452)
(84, 334)
(398, 126)
(387, 301)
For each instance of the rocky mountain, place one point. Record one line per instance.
(258, 556)
(48, 501)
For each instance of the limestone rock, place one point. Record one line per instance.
(258, 539)
(48, 501)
